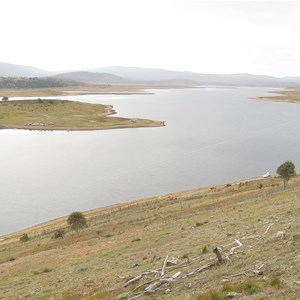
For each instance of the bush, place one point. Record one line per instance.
(58, 234)
(24, 237)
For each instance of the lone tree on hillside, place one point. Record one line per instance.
(286, 171)
(77, 221)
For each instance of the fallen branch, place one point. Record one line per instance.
(145, 283)
(155, 285)
(235, 275)
(133, 280)
(203, 268)
(268, 229)
(139, 277)
(164, 267)
(236, 247)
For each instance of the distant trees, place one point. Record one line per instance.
(5, 99)
(286, 171)
(34, 82)
(77, 221)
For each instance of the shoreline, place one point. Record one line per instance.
(56, 223)
(285, 96)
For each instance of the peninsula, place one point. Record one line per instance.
(290, 96)
(50, 114)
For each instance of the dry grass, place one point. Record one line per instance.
(292, 96)
(63, 115)
(122, 241)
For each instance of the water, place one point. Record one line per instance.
(212, 136)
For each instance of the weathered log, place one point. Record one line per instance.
(133, 280)
(155, 285)
(218, 254)
(203, 268)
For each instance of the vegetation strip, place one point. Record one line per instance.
(50, 114)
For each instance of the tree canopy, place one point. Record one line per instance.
(286, 171)
(77, 221)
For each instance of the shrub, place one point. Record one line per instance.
(250, 287)
(58, 234)
(24, 237)
(212, 295)
(276, 282)
(204, 250)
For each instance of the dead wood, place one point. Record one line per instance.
(139, 277)
(133, 280)
(267, 229)
(235, 275)
(158, 283)
(218, 254)
(163, 270)
(145, 283)
(236, 247)
(203, 268)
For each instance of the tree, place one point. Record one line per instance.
(286, 171)
(77, 221)
(5, 99)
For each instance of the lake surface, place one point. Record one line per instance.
(212, 136)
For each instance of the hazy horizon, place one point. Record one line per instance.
(138, 67)
(216, 37)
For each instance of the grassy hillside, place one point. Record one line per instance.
(63, 115)
(255, 223)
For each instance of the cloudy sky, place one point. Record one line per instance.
(261, 37)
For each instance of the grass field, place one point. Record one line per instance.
(291, 96)
(64, 115)
(127, 240)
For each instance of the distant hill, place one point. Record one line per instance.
(91, 77)
(12, 70)
(148, 75)
(133, 75)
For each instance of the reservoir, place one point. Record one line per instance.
(212, 136)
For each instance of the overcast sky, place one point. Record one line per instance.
(260, 37)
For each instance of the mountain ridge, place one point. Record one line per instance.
(138, 75)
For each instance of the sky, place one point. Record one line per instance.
(224, 37)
